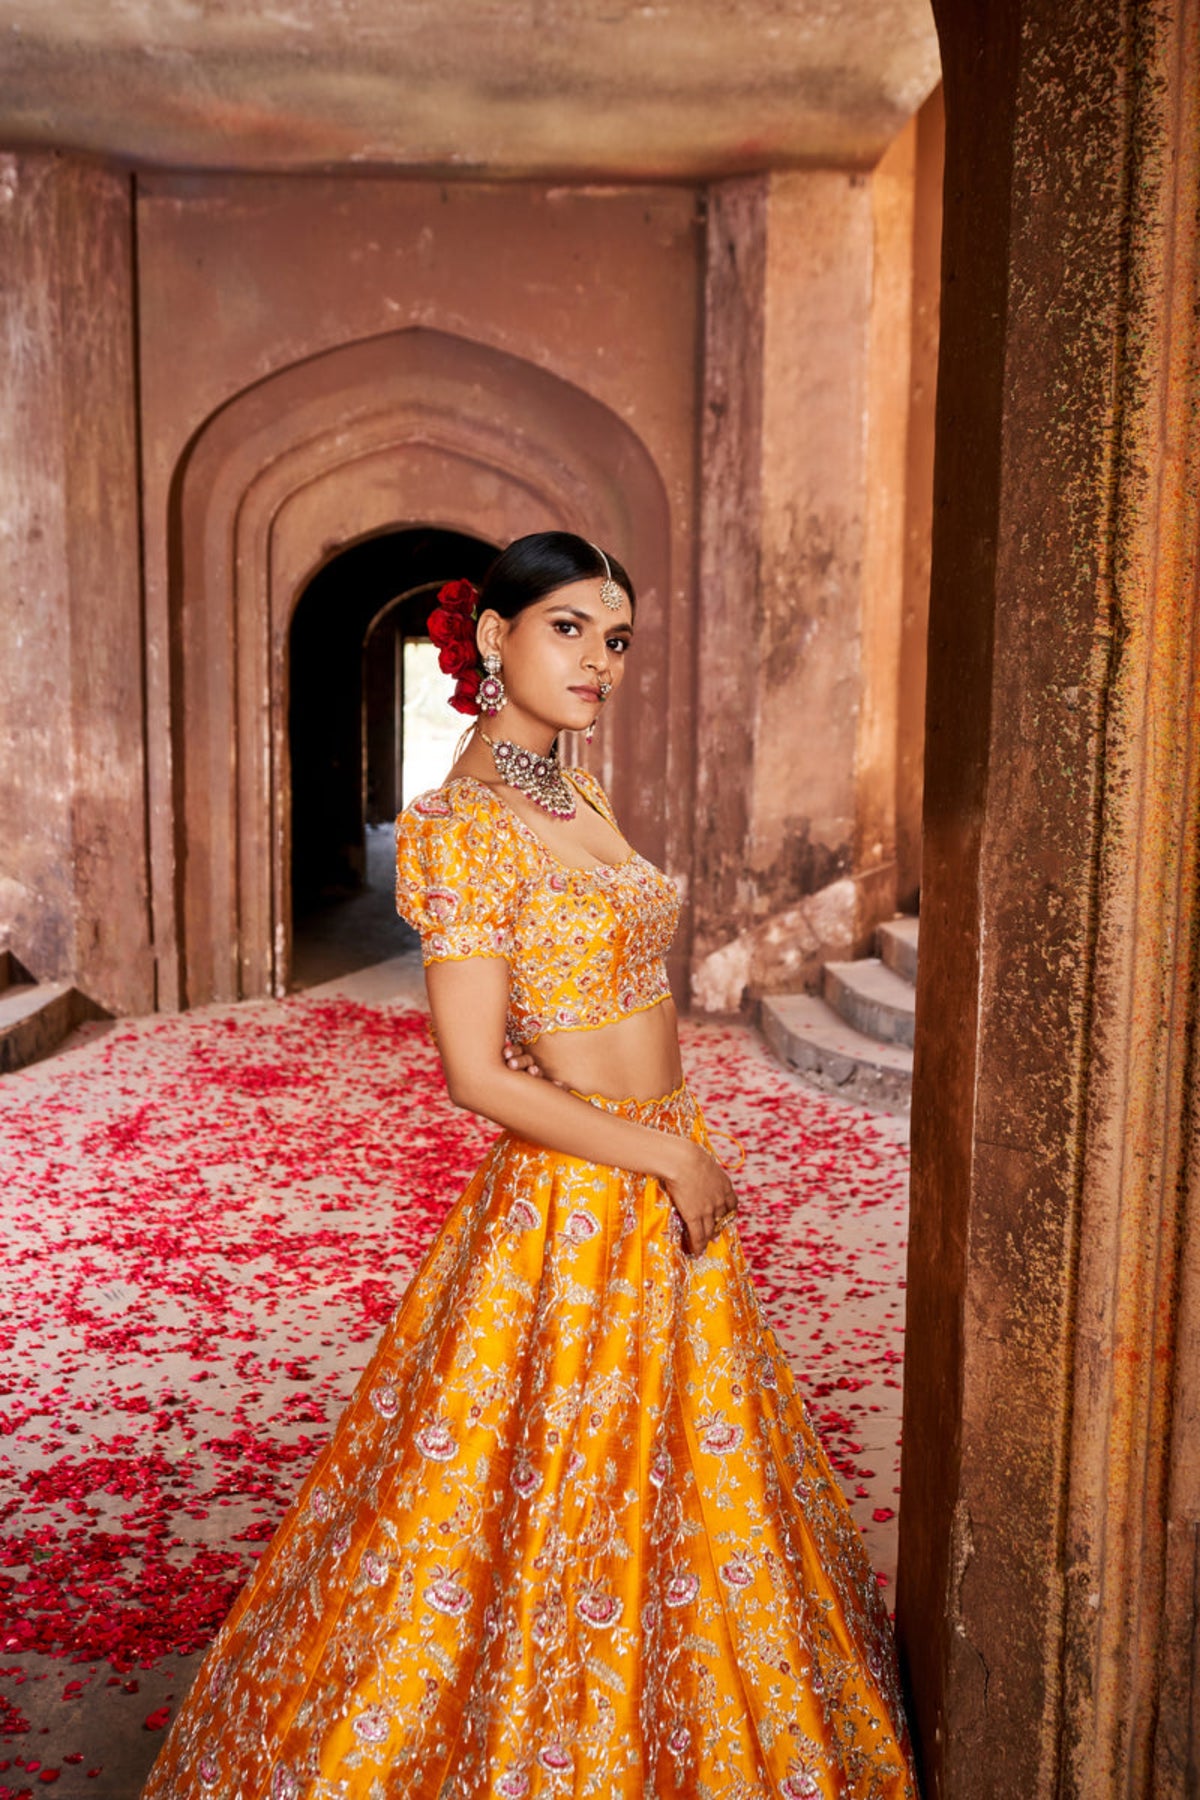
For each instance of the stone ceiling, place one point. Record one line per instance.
(578, 89)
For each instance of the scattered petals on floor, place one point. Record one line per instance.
(209, 1218)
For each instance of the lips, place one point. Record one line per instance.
(587, 693)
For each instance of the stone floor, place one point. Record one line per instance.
(835, 1298)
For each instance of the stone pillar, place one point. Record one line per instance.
(806, 399)
(73, 889)
(1050, 1516)
(918, 496)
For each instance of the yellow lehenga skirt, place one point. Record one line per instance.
(574, 1535)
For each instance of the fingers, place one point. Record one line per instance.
(701, 1232)
(520, 1061)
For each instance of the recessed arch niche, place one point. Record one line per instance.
(416, 427)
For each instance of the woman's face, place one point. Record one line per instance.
(555, 654)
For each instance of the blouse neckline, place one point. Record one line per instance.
(571, 868)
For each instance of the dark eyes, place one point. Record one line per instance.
(619, 644)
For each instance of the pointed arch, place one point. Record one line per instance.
(415, 427)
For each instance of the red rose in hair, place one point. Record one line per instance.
(450, 628)
(458, 658)
(458, 597)
(464, 699)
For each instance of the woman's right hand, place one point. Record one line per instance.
(701, 1193)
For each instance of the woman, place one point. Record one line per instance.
(574, 1534)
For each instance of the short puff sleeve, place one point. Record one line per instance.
(458, 875)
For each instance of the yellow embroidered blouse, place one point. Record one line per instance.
(584, 946)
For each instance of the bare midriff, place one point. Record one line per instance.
(635, 1058)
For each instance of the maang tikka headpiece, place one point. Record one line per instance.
(610, 592)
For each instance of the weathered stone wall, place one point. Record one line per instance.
(315, 360)
(803, 572)
(1051, 1482)
(73, 885)
(918, 496)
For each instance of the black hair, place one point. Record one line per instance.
(535, 565)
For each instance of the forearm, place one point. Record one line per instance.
(552, 1116)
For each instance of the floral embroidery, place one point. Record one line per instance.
(447, 1597)
(601, 1610)
(737, 1573)
(525, 1479)
(525, 1436)
(435, 1442)
(513, 1786)
(721, 1437)
(584, 946)
(681, 1590)
(372, 1726)
(581, 1225)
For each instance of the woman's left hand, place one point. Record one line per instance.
(519, 1060)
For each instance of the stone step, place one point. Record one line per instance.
(872, 998)
(896, 941)
(803, 1031)
(35, 1016)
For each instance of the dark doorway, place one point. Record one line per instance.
(346, 664)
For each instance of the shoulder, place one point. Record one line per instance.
(592, 791)
(460, 804)
(460, 867)
(459, 829)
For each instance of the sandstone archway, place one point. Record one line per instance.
(415, 427)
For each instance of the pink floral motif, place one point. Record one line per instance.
(526, 1480)
(737, 1572)
(531, 1027)
(800, 1787)
(660, 1468)
(566, 1018)
(681, 1590)
(432, 806)
(339, 1543)
(576, 1461)
(721, 1437)
(208, 1771)
(220, 1673)
(445, 1596)
(443, 903)
(546, 1620)
(679, 1740)
(581, 1225)
(284, 1785)
(600, 1610)
(557, 881)
(375, 1568)
(514, 1785)
(435, 1441)
(521, 1216)
(386, 1401)
(553, 1757)
(372, 1726)
(319, 1503)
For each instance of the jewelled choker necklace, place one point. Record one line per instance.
(539, 778)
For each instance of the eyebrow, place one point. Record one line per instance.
(587, 618)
